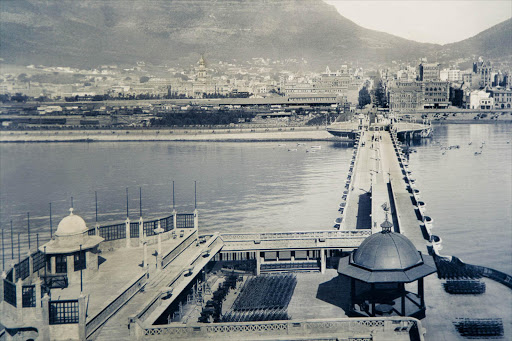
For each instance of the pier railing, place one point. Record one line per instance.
(358, 328)
(296, 235)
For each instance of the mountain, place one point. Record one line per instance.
(493, 42)
(92, 32)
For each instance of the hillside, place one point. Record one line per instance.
(91, 32)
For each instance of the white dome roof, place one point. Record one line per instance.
(71, 225)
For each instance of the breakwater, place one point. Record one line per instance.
(202, 135)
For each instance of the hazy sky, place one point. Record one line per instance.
(426, 21)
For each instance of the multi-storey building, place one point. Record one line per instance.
(502, 98)
(484, 70)
(429, 71)
(436, 94)
(450, 75)
(405, 96)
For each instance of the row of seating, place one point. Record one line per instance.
(479, 327)
(266, 292)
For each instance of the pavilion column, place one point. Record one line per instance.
(352, 292)
(258, 263)
(421, 292)
(322, 261)
(373, 299)
(402, 290)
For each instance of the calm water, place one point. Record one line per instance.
(469, 196)
(261, 186)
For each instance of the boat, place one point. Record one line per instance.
(316, 147)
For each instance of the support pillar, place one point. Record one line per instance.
(352, 292)
(44, 332)
(373, 299)
(127, 226)
(421, 293)
(403, 299)
(258, 263)
(141, 231)
(81, 317)
(322, 261)
(52, 264)
(19, 299)
(174, 218)
(37, 284)
(97, 227)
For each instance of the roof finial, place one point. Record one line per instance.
(71, 211)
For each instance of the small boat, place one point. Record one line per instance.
(292, 150)
(281, 145)
(470, 143)
(478, 153)
(316, 147)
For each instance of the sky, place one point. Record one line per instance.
(440, 22)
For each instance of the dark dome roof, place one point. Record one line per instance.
(386, 251)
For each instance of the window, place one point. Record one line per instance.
(79, 260)
(61, 264)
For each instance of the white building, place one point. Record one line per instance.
(479, 99)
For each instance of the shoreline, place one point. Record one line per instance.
(299, 134)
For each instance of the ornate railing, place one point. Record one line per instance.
(10, 292)
(113, 306)
(296, 235)
(357, 327)
(38, 261)
(113, 232)
(184, 221)
(64, 312)
(22, 269)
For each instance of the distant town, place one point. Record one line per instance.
(260, 90)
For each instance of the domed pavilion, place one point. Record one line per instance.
(381, 272)
(72, 250)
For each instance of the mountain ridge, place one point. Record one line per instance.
(93, 33)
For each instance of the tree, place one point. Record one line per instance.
(144, 79)
(380, 95)
(364, 97)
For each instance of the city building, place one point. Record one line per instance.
(502, 98)
(450, 75)
(483, 68)
(405, 96)
(478, 99)
(436, 94)
(429, 72)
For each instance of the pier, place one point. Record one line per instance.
(162, 279)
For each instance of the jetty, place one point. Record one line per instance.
(378, 275)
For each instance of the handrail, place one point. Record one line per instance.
(102, 316)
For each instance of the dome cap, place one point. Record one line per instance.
(71, 225)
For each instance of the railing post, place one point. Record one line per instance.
(159, 231)
(38, 296)
(30, 264)
(174, 219)
(81, 318)
(141, 231)
(127, 227)
(145, 246)
(258, 263)
(97, 228)
(196, 220)
(19, 299)
(13, 267)
(45, 330)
